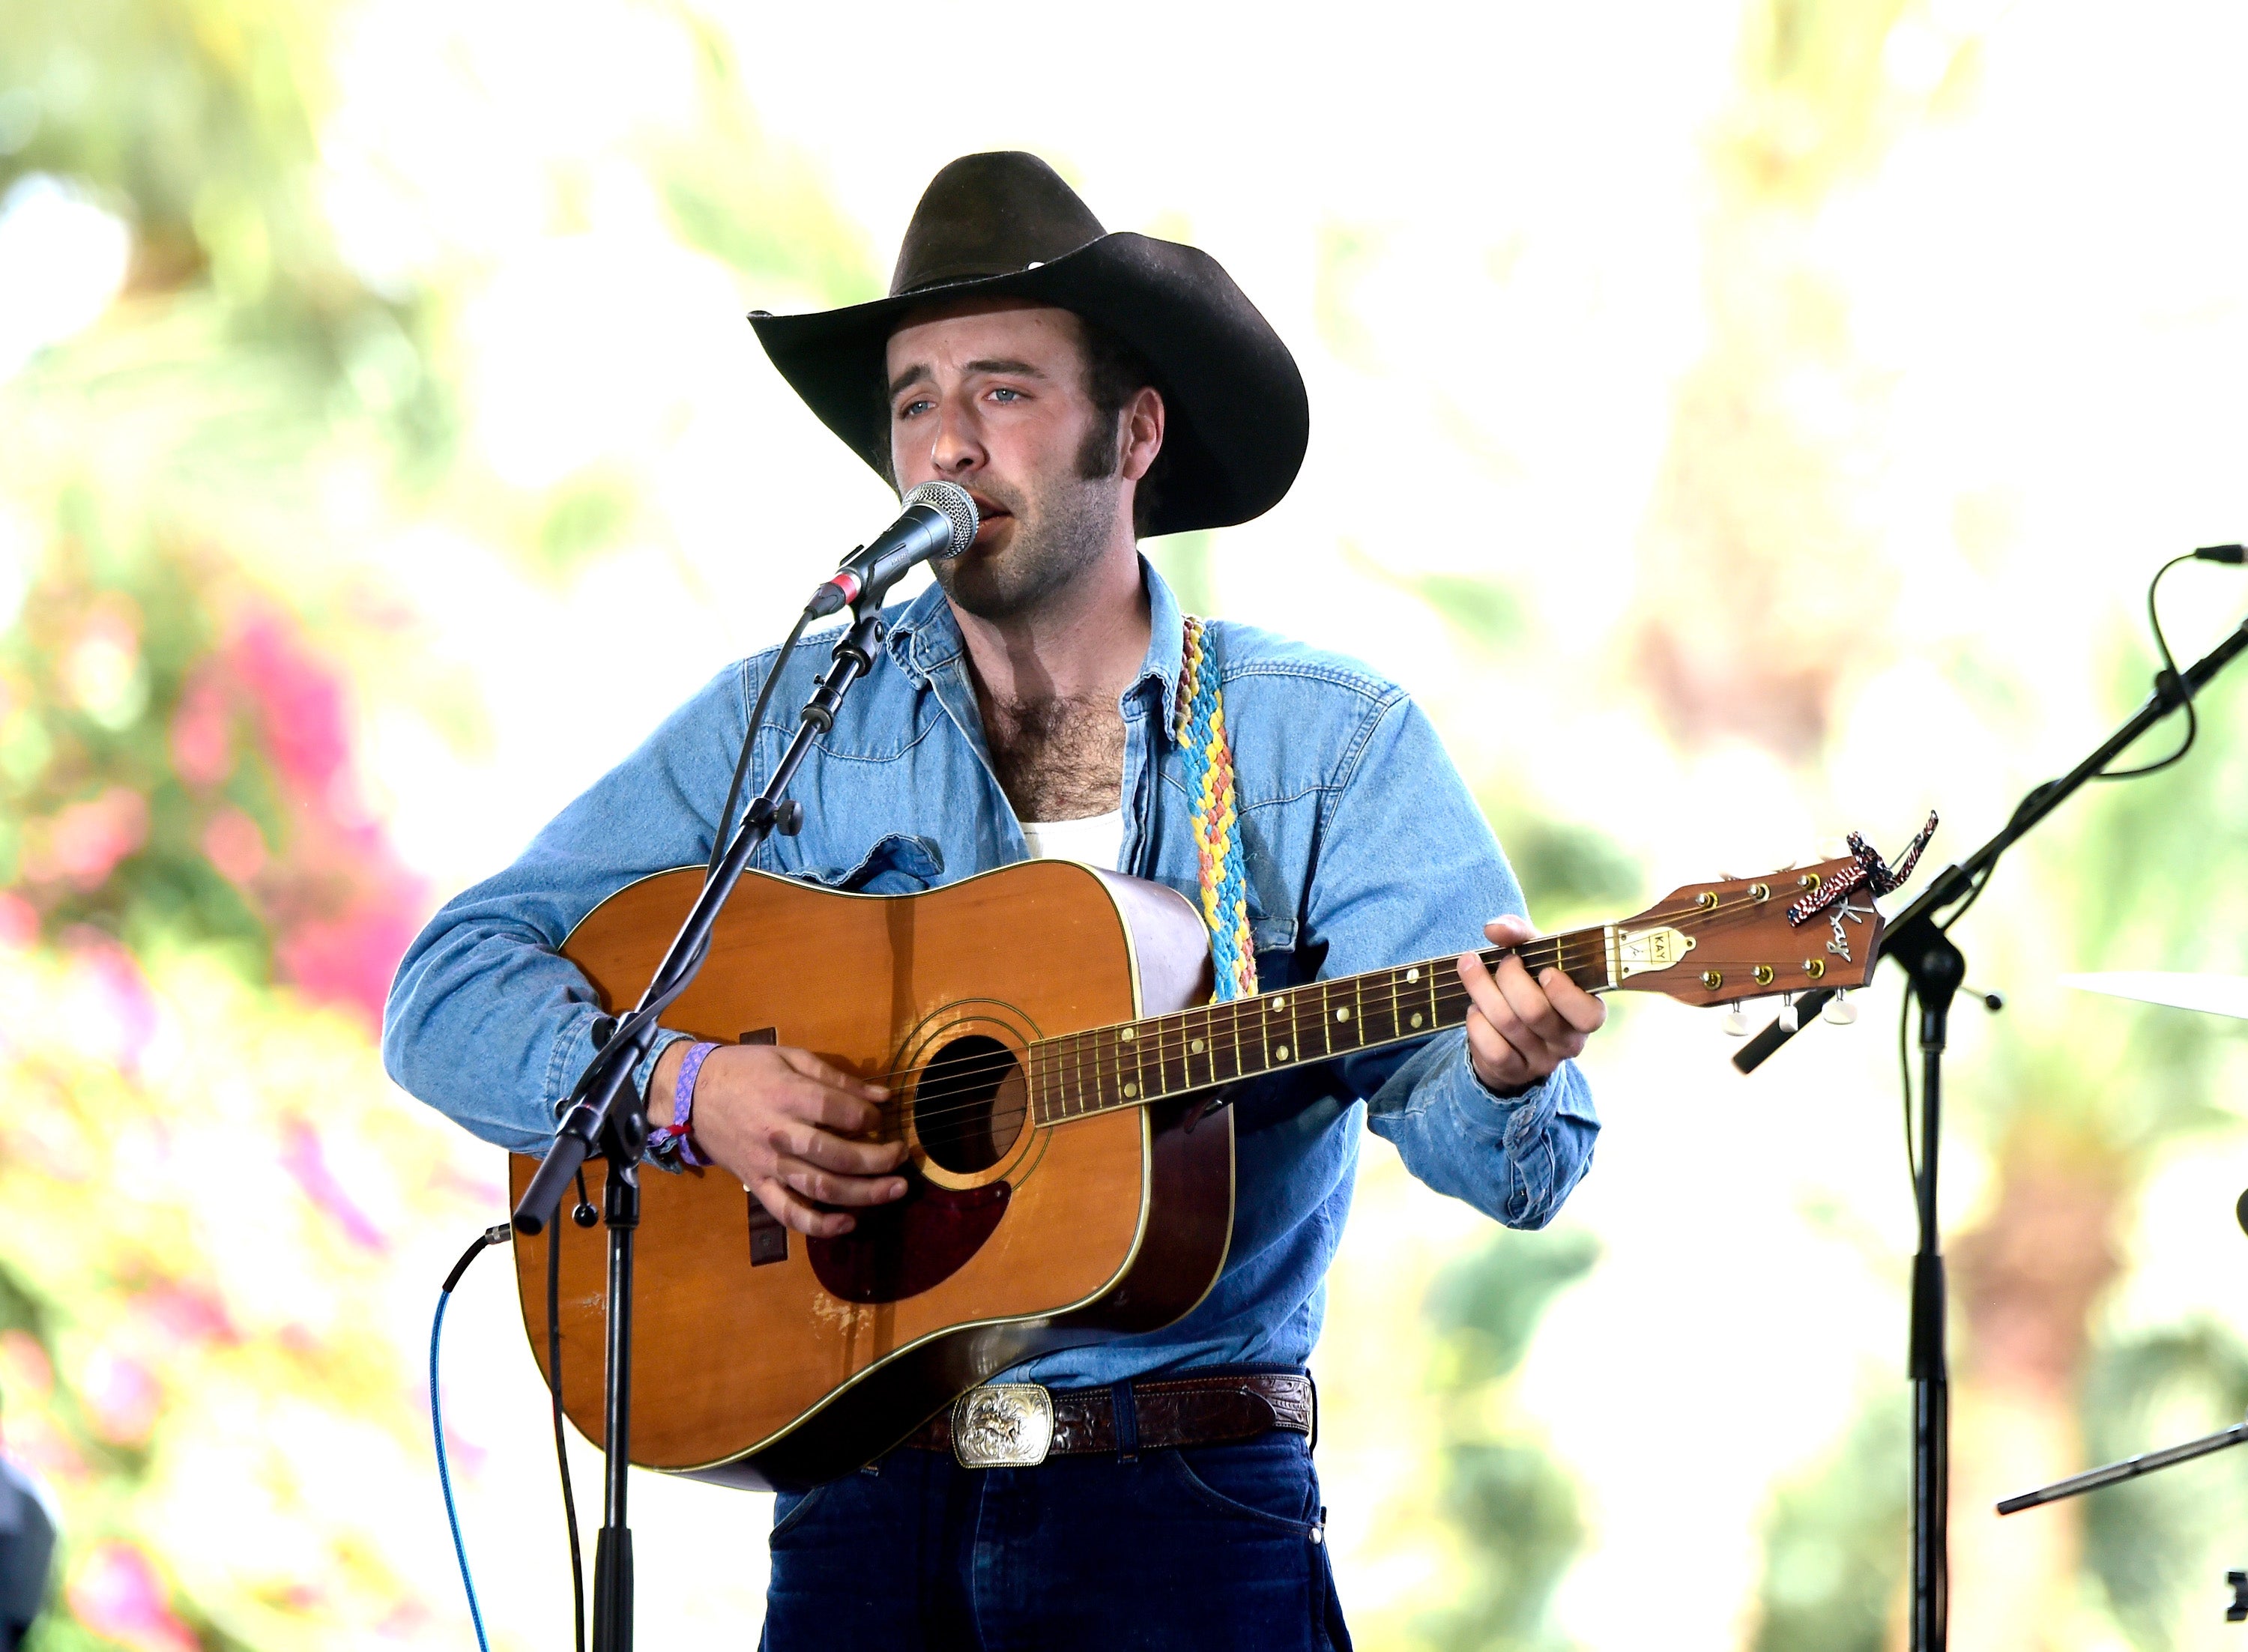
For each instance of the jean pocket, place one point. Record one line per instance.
(790, 1509)
(1268, 1482)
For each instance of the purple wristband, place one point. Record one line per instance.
(682, 1107)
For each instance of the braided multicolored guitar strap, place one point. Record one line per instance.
(1201, 734)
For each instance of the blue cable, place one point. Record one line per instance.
(495, 1235)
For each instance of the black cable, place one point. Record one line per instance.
(2169, 678)
(554, 1385)
(1904, 1075)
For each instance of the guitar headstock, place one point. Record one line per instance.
(1731, 938)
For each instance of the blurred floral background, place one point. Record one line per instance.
(1740, 423)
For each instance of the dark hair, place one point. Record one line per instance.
(1115, 373)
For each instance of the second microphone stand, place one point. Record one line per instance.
(1919, 943)
(608, 1116)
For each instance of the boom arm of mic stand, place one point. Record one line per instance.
(607, 1077)
(1955, 882)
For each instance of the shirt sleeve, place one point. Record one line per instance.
(486, 1021)
(1408, 867)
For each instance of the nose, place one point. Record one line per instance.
(957, 449)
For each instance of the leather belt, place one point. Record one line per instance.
(1020, 1424)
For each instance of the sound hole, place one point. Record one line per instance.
(969, 1107)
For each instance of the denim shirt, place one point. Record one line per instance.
(1363, 849)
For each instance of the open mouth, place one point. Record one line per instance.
(990, 516)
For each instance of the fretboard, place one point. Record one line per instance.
(1136, 1062)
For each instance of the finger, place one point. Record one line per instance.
(1584, 1012)
(1530, 1006)
(1498, 1063)
(837, 1110)
(1509, 930)
(812, 1067)
(827, 1187)
(831, 1152)
(792, 1212)
(1491, 1004)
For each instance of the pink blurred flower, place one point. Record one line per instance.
(299, 702)
(121, 1396)
(203, 737)
(349, 959)
(19, 921)
(85, 842)
(178, 1317)
(117, 1593)
(234, 845)
(25, 1368)
(301, 1156)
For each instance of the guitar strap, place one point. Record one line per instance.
(1202, 737)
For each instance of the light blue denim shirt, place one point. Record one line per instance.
(1363, 850)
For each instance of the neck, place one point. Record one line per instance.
(1086, 641)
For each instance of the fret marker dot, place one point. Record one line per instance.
(1416, 1018)
(1342, 1015)
(1130, 1091)
(1126, 1035)
(1280, 1052)
(1279, 1004)
(1413, 974)
(1194, 1045)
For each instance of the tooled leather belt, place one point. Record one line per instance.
(1020, 1424)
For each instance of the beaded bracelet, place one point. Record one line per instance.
(679, 1133)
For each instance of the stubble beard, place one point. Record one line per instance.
(1060, 532)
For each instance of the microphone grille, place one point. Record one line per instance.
(952, 499)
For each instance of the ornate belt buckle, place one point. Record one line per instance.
(1002, 1425)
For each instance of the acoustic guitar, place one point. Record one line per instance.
(1046, 1032)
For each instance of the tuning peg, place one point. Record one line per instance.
(1839, 1012)
(1735, 1023)
(1789, 1018)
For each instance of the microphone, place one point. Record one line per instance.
(938, 522)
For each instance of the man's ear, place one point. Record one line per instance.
(1141, 432)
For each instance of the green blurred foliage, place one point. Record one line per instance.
(1834, 1553)
(1512, 1506)
(2160, 1545)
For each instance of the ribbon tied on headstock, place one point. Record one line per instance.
(1867, 871)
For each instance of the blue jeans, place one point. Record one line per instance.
(1220, 1546)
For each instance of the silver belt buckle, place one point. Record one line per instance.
(1002, 1425)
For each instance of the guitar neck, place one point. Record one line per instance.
(1136, 1062)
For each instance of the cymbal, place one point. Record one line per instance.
(2212, 994)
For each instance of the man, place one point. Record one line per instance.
(1086, 389)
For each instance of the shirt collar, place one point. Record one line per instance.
(926, 638)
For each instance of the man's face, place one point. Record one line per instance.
(990, 393)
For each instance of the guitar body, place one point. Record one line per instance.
(1016, 1239)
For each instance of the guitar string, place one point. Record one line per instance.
(1593, 938)
(1111, 1058)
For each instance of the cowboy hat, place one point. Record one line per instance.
(1005, 224)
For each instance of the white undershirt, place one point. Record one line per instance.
(1098, 840)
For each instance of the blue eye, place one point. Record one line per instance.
(1010, 393)
(911, 409)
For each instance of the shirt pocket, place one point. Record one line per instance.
(897, 864)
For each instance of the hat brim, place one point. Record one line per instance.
(1237, 419)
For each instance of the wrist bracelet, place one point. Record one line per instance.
(680, 1132)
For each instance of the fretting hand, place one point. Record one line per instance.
(1520, 1030)
(790, 1128)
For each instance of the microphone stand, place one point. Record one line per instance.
(1920, 944)
(608, 1116)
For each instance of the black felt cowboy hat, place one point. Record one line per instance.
(1237, 419)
